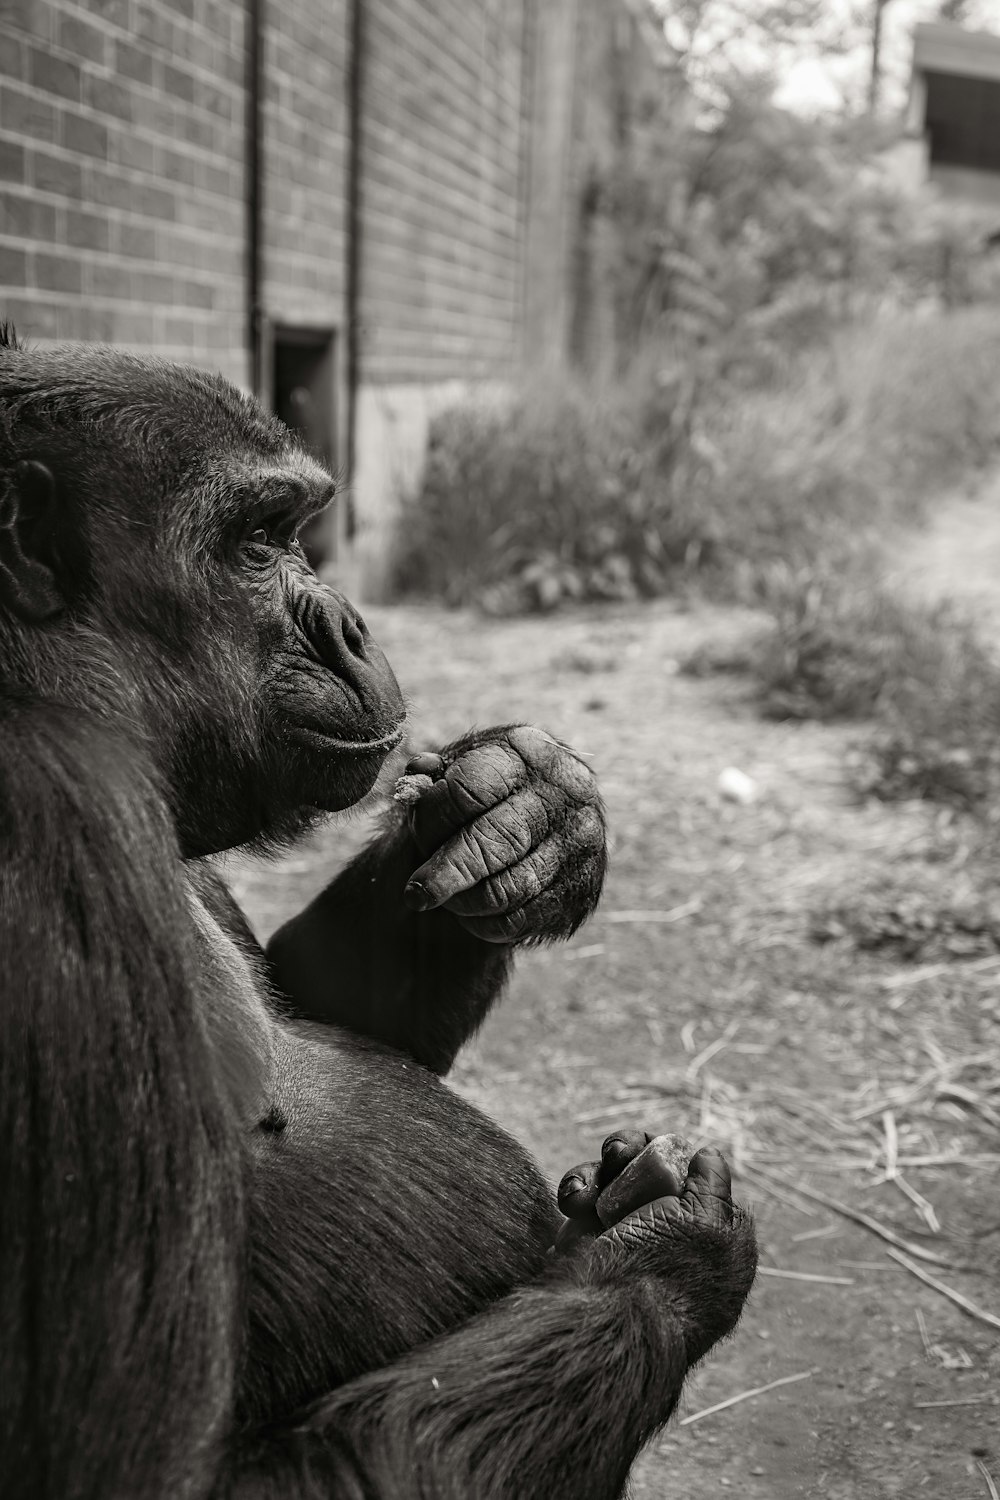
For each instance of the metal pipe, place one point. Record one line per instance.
(254, 192)
(355, 75)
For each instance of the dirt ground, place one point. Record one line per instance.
(696, 1001)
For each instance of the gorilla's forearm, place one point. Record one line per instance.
(549, 1395)
(357, 957)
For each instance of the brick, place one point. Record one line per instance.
(13, 267)
(199, 294)
(87, 42)
(13, 56)
(156, 202)
(133, 62)
(33, 320)
(136, 241)
(133, 151)
(56, 174)
(86, 231)
(177, 82)
(25, 218)
(27, 15)
(89, 137)
(198, 132)
(85, 323)
(54, 75)
(132, 327)
(105, 280)
(58, 273)
(177, 166)
(13, 162)
(179, 332)
(114, 12)
(154, 28)
(112, 190)
(154, 286)
(23, 114)
(108, 97)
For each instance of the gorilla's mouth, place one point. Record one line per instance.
(316, 739)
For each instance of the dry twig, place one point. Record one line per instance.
(859, 1218)
(805, 1276)
(758, 1390)
(946, 1291)
(994, 1493)
(675, 914)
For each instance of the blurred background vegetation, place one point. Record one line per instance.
(807, 355)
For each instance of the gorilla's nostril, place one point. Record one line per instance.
(354, 638)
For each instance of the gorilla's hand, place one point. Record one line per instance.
(696, 1247)
(635, 1169)
(511, 828)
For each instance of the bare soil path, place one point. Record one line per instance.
(957, 555)
(696, 1001)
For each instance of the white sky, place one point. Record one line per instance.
(815, 84)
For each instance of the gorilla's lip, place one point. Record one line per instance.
(330, 742)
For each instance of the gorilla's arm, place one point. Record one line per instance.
(550, 1394)
(121, 1178)
(504, 843)
(359, 957)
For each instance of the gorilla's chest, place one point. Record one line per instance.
(240, 1026)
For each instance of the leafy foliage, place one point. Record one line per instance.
(922, 916)
(556, 497)
(846, 648)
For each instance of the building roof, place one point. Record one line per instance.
(942, 48)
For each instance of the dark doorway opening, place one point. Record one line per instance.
(303, 395)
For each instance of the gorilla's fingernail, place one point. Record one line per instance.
(570, 1186)
(417, 896)
(428, 764)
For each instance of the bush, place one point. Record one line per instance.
(707, 470)
(561, 495)
(916, 915)
(849, 649)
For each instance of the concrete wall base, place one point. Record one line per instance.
(393, 422)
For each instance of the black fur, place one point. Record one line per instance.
(252, 1246)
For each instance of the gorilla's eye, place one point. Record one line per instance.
(274, 531)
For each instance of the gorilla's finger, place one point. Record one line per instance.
(536, 919)
(476, 781)
(427, 763)
(515, 886)
(578, 1190)
(555, 761)
(573, 846)
(576, 1232)
(708, 1189)
(654, 1173)
(497, 839)
(621, 1147)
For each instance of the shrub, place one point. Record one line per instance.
(846, 648)
(561, 495)
(709, 470)
(916, 915)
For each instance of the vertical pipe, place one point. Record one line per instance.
(355, 77)
(254, 193)
(876, 68)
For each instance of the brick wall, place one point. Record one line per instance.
(121, 153)
(443, 161)
(123, 192)
(305, 147)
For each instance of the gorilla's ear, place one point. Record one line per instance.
(28, 585)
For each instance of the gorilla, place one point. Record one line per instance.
(253, 1247)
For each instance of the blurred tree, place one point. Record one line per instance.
(717, 40)
(956, 10)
